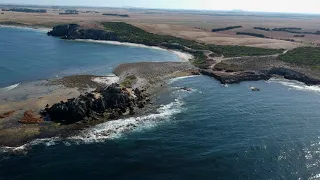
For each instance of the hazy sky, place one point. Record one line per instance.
(299, 6)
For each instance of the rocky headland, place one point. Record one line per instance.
(235, 70)
(63, 107)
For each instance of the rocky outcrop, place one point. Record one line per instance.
(107, 103)
(293, 75)
(74, 31)
(236, 77)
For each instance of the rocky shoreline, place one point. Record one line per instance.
(73, 103)
(251, 68)
(237, 77)
(236, 70)
(56, 112)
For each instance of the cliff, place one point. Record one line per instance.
(74, 31)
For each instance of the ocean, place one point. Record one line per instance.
(211, 132)
(28, 55)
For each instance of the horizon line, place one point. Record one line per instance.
(175, 9)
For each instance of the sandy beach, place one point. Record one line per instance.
(182, 55)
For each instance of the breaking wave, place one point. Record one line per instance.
(295, 85)
(115, 129)
(8, 88)
(106, 131)
(179, 78)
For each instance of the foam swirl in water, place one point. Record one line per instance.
(295, 85)
(115, 129)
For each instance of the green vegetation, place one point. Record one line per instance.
(287, 28)
(226, 28)
(299, 35)
(112, 14)
(262, 29)
(26, 10)
(128, 33)
(227, 67)
(68, 11)
(309, 56)
(237, 51)
(293, 30)
(251, 34)
(128, 81)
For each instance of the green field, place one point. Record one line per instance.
(309, 56)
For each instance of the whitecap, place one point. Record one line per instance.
(115, 129)
(8, 88)
(23, 149)
(295, 85)
(106, 131)
(180, 78)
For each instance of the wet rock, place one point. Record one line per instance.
(30, 118)
(7, 114)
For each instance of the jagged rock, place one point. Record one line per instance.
(293, 75)
(110, 102)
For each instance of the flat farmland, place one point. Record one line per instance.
(194, 25)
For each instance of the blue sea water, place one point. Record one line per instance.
(28, 55)
(211, 132)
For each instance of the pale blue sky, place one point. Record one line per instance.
(298, 6)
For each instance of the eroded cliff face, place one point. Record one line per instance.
(74, 31)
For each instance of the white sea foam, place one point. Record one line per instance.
(115, 129)
(295, 85)
(8, 88)
(24, 148)
(106, 131)
(180, 78)
(106, 80)
(182, 55)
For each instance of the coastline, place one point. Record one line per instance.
(149, 77)
(34, 96)
(182, 55)
(37, 28)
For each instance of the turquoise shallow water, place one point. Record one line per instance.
(28, 55)
(212, 132)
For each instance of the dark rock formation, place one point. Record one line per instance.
(109, 103)
(236, 77)
(230, 78)
(74, 31)
(293, 75)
